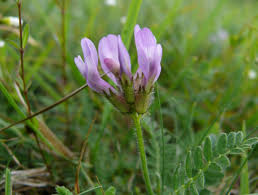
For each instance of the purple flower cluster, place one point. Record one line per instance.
(128, 92)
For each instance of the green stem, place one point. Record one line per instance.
(136, 119)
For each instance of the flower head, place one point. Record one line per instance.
(129, 93)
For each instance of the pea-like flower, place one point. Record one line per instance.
(129, 93)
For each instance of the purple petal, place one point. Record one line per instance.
(98, 84)
(155, 67)
(144, 37)
(145, 55)
(159, 52)
(89, 68)
(136, 30)
(124, 58)
(89, 51)
(143, 62)
(108, 49)
(110, 64)
(81, 66)
(149, 54)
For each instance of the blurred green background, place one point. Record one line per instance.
(208, 80)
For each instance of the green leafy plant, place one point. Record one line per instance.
(205, 165)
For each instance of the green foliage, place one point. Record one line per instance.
(244, 176)
(188, 164)
(222, 144)
(231, 139)
(61, 190)
(198, 158)
(212, 169)
(110, 191)
(92, 189)
(131, 20)
(154, 151)
(207, 149)
(8, 182)
(25, 35)
(239, 137)
(193, 189)
(204, 165)
(13, 43)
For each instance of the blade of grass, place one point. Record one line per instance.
(94, 10)
(40, 128)
(86, 176)
(205, 28)
(82, 153)
(244, 181)
(238, 172)
(14, 129)
(207, 131)
(169, 19)
(162, 140)
(12, 155)
(49, 89)
(131, 20)
(31, 71)
(8, 182)
(89, 190)
(48, 23)
(104, 120)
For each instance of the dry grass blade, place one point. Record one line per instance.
(57, 144)
(44, 129)
(15, 159)
(30, 177)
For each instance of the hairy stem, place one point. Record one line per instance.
(145, 171)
